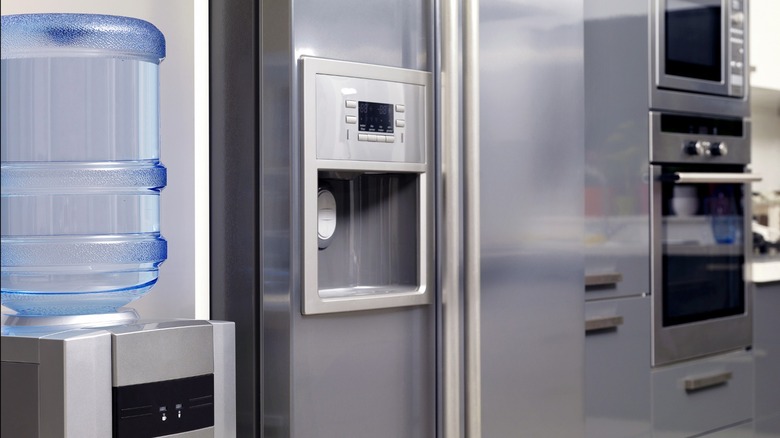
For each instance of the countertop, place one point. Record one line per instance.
(766, 269)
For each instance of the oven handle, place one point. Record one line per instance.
(707, 177)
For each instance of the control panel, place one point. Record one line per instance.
(370, 120)
(737, 36)
(680, 138)
(164, 408)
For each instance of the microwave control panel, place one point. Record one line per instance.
(737, 36)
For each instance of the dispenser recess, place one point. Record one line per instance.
(367, 199)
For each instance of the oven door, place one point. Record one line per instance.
(691, 46)
(700, 234)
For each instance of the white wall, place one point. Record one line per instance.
(182, 289)
(765, 115)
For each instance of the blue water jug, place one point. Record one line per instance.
(81, 172)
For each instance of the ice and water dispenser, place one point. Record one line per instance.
(367, 186)
(81, 181)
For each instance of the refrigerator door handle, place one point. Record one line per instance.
(471, 166)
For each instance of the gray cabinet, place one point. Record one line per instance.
(698, 396)
(744, 430)
(766, 336)
(617, 368)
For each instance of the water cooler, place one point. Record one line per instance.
(81, 178)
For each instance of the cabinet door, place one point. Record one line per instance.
(698, 396)
(617, 368)
(744, 430)
(766, 337)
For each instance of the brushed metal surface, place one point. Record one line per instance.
(75, 384)
(368, 373)
(224, 334)
(531, 122)
(154, 351)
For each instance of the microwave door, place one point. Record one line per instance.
(691, 45)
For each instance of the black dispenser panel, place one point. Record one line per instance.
(163, 408)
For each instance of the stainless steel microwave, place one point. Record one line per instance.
(700, 46)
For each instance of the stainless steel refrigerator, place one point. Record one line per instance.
(396, 215)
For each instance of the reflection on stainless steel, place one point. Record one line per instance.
(531, 106)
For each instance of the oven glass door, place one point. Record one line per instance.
(702, 251)
(693, 39)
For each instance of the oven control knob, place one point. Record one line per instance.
(718, 149)
(695, 147)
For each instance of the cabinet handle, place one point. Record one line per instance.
(609, 322)
(603, 279)
(697, 383)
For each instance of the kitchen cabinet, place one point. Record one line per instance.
(697, 396)
(764, 43)
(766, 336)
(744, 430)
(617, 368)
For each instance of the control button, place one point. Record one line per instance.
(694, 147)
(390, 139)
(372, 137)
(718, 149)
(737, 80)
(380, 138)
(400, 123)
(351, 119)
(737, 19)
(736, 5)
(351, 103)
(400, 108)
(362, 137)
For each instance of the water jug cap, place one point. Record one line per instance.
(47, 35)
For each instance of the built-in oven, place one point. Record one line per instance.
(701, 46)
(700, 233)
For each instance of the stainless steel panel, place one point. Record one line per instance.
(344, 374)
(151, 352)
(617, 370)
(75, 384)
(224, 334)
(531, 122)
(707, 409)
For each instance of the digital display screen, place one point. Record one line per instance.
(375, 117)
